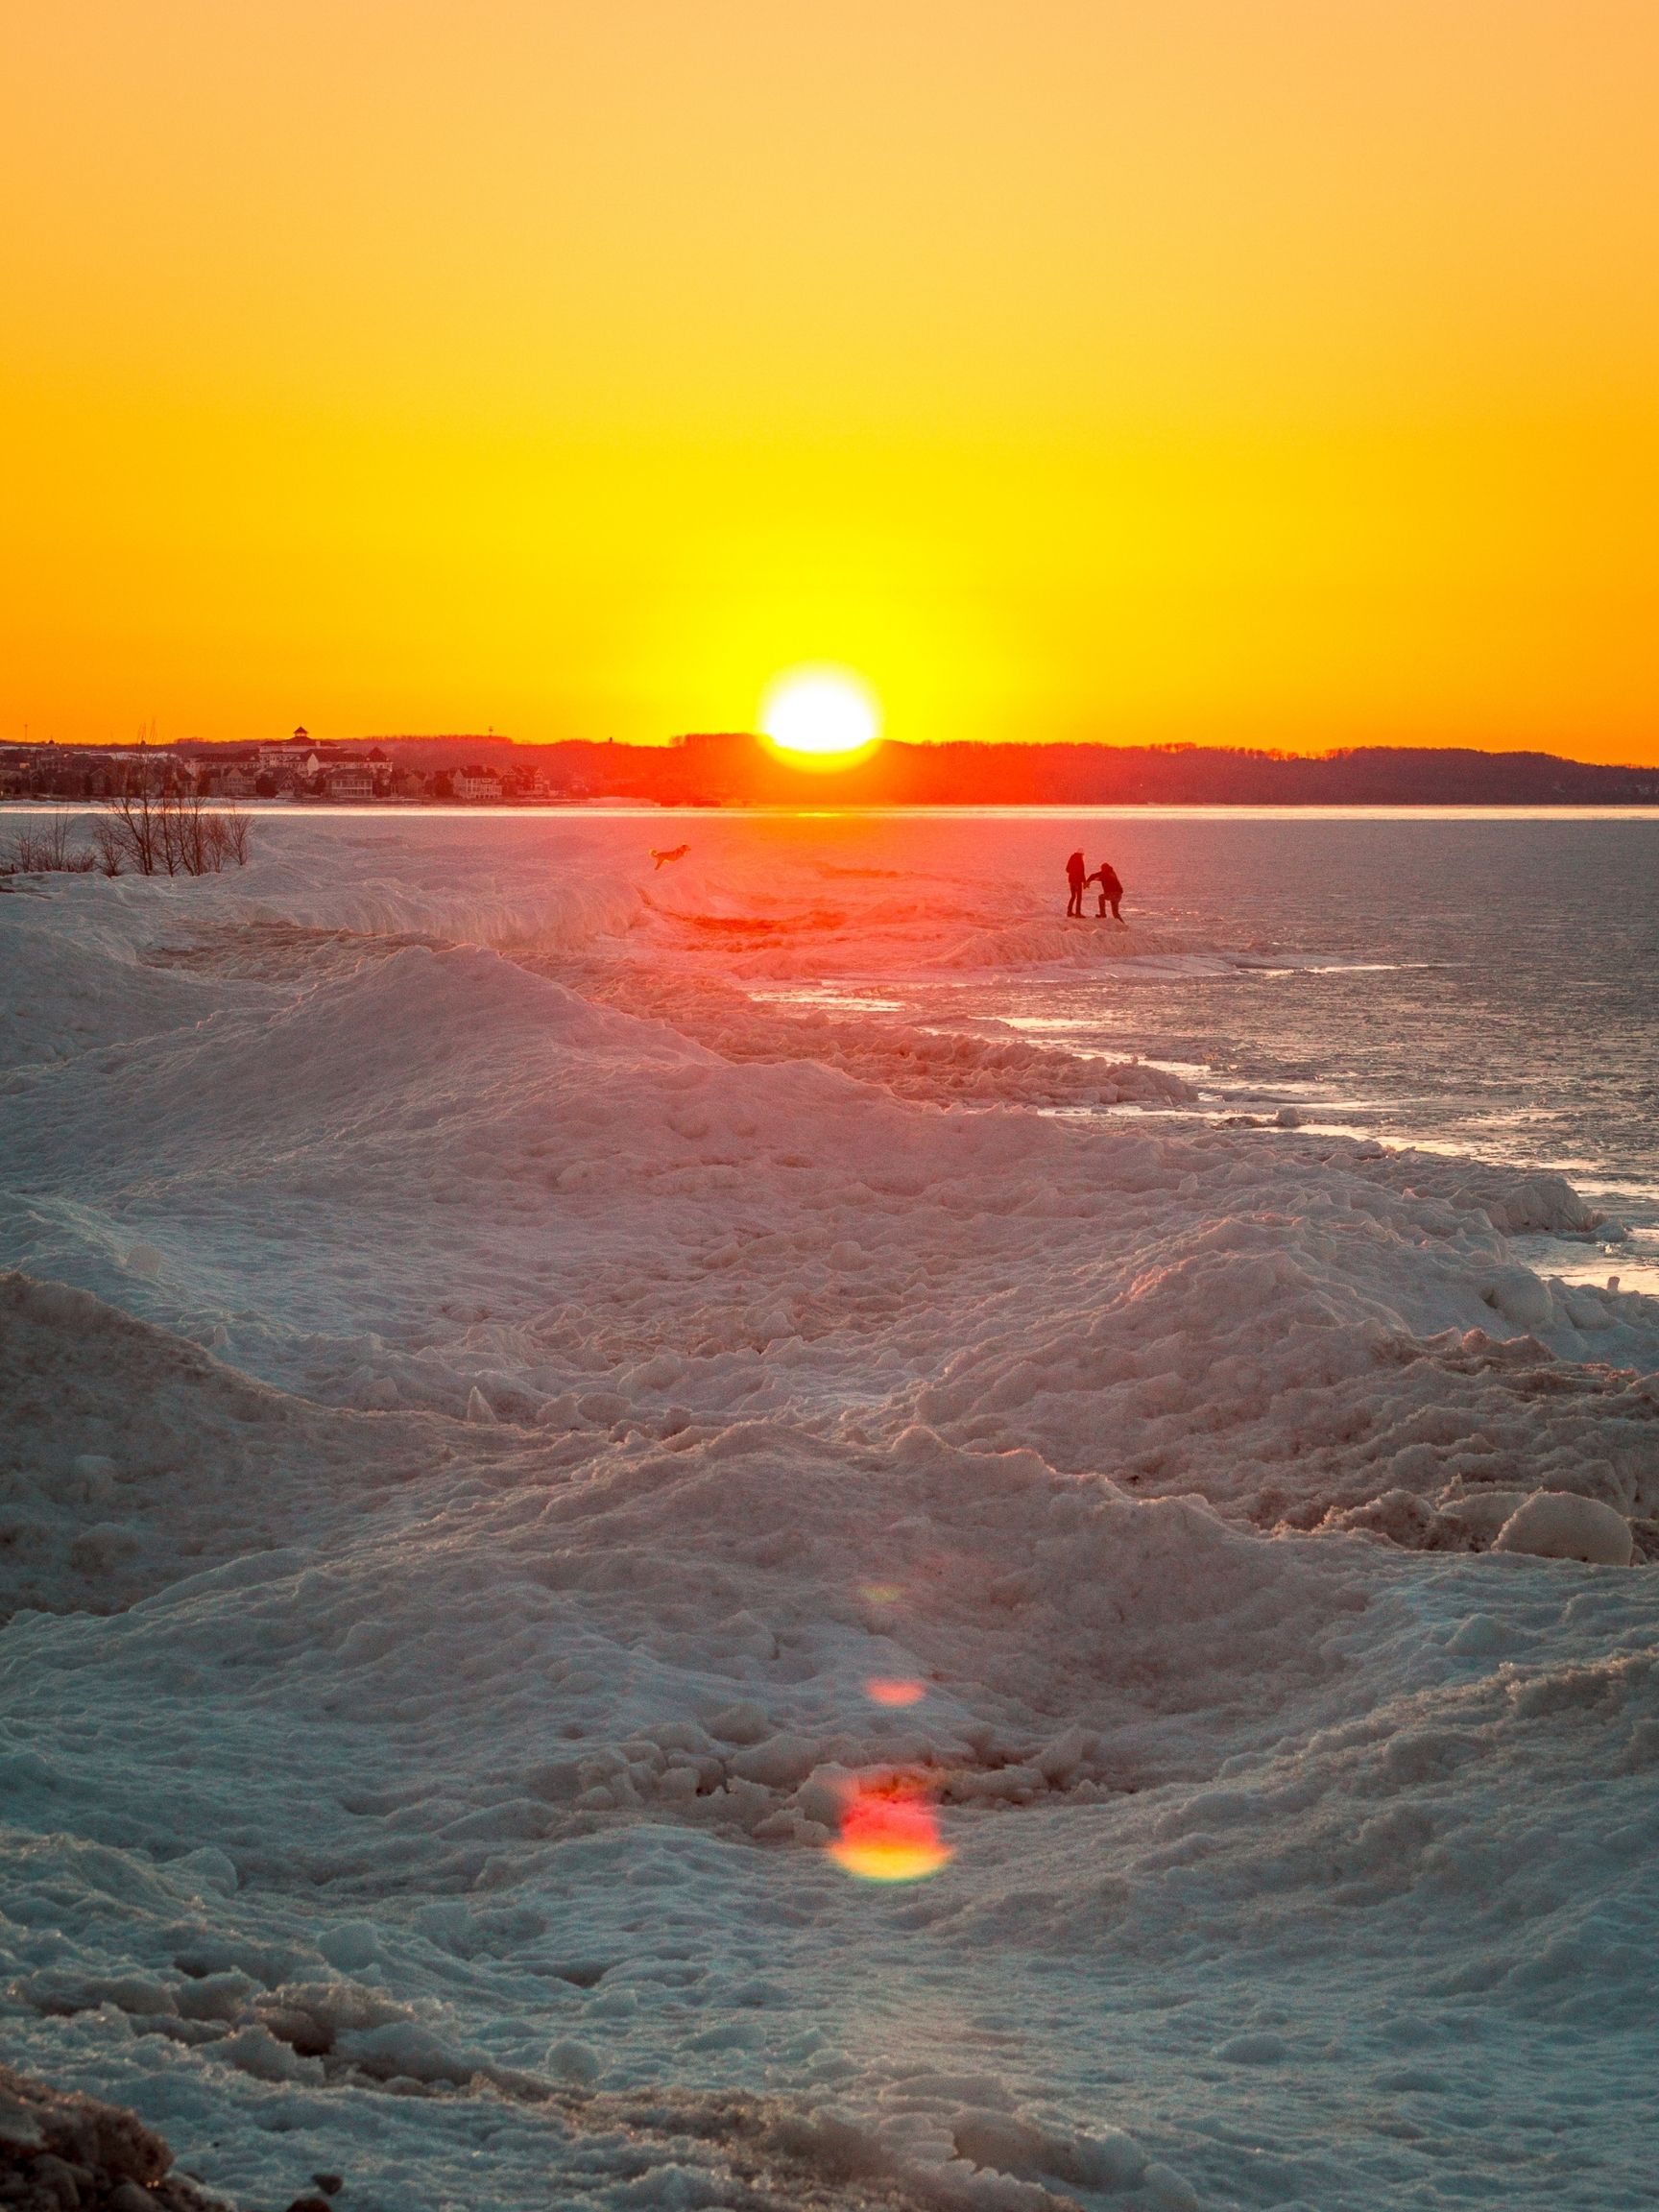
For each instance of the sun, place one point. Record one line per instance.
(820, 717)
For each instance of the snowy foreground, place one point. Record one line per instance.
(472, 1444)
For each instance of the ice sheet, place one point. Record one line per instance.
(485, 1403)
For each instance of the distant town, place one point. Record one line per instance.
(735, 769)
(298, 768)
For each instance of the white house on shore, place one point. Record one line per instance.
(476, 784)
(351, 780)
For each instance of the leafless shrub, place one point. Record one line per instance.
(129, 833)
(44, 848)
(224, 837)
(169, 834)
(180, 832)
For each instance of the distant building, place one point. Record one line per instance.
(353, 780)
(476, 784)
(230, 777)
(291, 761)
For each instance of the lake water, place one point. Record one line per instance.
(1487, 984)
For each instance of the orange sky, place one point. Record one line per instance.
(1242, 370)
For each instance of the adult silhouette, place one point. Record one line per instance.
(1077, 876)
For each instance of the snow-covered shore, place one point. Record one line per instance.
(485, 1402)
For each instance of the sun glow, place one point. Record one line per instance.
(820, 717)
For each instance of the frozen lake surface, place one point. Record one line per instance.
(543, 1389)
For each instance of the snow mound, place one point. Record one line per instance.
(130, 1457)
(1298, 1363)
(551, 887)
(691, 1636)
(72, 981)
(458, 1177)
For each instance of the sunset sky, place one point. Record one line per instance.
(1267, 372)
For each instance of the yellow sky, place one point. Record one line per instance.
(1241, 370)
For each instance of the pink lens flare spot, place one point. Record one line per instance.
(885, 1690)
(890, 1833)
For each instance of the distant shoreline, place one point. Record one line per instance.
(1241, 809)
(733, 771)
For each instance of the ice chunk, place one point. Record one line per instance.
(350, 1946)
(742, 1722)
(1483, 1512)
(255, 2050)
(1560, 1525)
(206, 1869)
(781, 1761)
(103, 1547)
(1170, 2190)
(407, 2048)
(94, 1478)
(570, 2060)
(1481, 1637)
(1254, 2049)
(1518, 1295)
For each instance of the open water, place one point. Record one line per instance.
(1479, 983)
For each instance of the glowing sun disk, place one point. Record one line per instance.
(820, 715)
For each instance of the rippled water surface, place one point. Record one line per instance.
(1489, 985)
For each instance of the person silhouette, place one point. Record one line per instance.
(1077, 876)
(1111, 891)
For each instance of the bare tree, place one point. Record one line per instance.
(131, 833)
(225, 836)
(168, 833)
(45, 848)
(112, 853)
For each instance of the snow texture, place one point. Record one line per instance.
(484, 1399)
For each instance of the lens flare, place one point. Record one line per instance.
(890, 1832)
(891, 1690)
